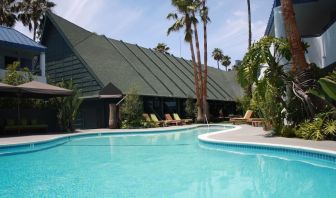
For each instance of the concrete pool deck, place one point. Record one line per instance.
(245, 134)
(250, 134)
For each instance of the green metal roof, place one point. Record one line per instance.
(153, 73)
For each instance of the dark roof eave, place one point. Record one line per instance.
(26, 47)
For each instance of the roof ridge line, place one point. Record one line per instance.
(193, 91)
(190, 72)
(160, 69)
(209, 77)
(148, 68)
(143, 78)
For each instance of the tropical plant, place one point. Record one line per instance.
(226, 61)
(190, 108)
(318, 129)
(249, 23)
(217, 55)
(293, 34)
(67, 107)
(31, 13)
(132, 110)
(7, 13)
(185, 17)
(327, 89)
(16, 76)
(162, 47)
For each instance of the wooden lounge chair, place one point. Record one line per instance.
(157, 121)
(171, 120)
(245, 119)
(185, 121)
(146, 117)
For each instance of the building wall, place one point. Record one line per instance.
(322, 48)
(63, 64)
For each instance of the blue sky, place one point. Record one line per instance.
(144, 22)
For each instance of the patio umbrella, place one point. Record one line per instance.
(36, 89)
(7, 90)
(32, 89)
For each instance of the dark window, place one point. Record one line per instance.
(10, 60)
(25, 62)
(170, 106)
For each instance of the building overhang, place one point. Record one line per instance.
(313, 17)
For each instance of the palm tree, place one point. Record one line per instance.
(31, 13)
(294, 38)
(217, 54)
(7, 13)
(226, 61)
(204, 13)
(186, 20)
(249, 23)
(162, 47)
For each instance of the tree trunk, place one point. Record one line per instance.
(249, 23)
(113, 116)
(294, 38)
(34, 36)
(218, 64)
(205, 77)
(200, 112)
(196, 79)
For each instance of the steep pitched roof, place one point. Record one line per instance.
(14, 38)
(153, 73)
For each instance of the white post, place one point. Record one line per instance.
(42, 64)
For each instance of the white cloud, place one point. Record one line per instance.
(232, 36)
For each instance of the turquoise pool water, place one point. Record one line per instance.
(171, 164)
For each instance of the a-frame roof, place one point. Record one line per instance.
(152, 73)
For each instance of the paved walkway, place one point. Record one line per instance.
(36, 138)
(249, 134)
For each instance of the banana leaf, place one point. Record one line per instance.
(329, 87)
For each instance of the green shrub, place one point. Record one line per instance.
(318, 129)
(288, 131)
(132, 110)
(67, 107)
(190, 108)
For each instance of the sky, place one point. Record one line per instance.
(144, 22)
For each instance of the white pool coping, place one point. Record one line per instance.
(17, 141)
(207, 138)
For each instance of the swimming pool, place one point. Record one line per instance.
(170, 164)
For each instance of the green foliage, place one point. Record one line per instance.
(31, 14)
(288, 131)
(67, 107)
(7, 13)
(14, 76)
(162, 48)
(318, 129)
(190, 108)
(132, 110)
(244, 104)
(226, 61)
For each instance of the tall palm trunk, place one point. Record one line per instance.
(34, 31)
(196, 77)
(200, 106)
(294, 38)
(205, 77)
(218, 64)
(249, 23)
